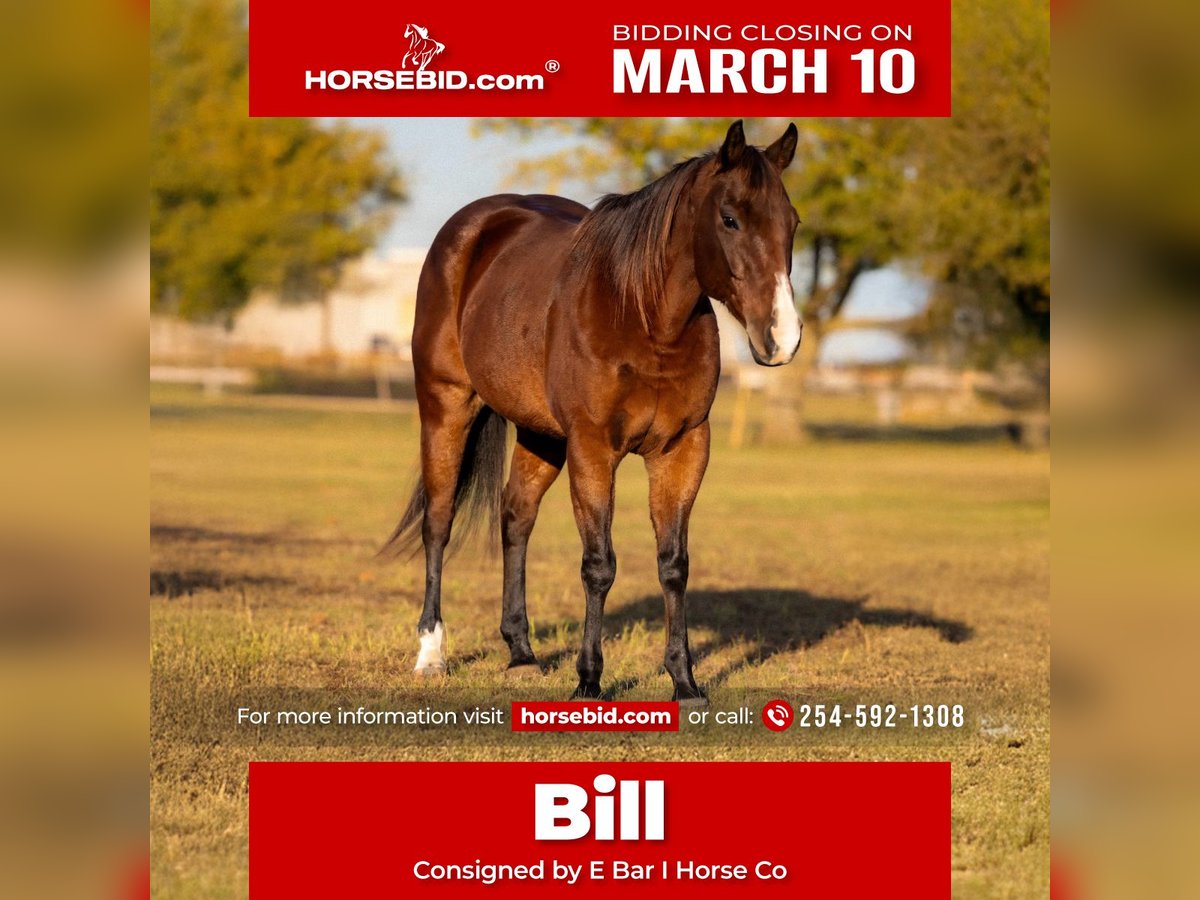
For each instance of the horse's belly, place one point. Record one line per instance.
(519, 408)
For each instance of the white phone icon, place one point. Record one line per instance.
(776, 715)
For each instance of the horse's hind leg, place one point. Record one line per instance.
(536, 462)
(447, 413)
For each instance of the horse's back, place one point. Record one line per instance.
(484, 297)
(480, 230)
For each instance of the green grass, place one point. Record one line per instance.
(834, 570)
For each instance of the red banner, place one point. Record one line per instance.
(660, 830)
(381, 58)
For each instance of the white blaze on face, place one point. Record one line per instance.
(433, 648)
(785, 330)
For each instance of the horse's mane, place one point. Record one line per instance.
(423, 33)
(625, 237)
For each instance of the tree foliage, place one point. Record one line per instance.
(981, 206)
(73, 106)
(240, 203)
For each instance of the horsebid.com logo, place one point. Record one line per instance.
(413, 74)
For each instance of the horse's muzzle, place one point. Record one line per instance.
(772, 354)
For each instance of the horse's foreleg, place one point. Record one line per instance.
(591, 467)
(446, 418)
(536, 463)
(675, 477)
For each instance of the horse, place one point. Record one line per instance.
(421, 48)
(593, 332)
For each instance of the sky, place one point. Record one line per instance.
(446, 166)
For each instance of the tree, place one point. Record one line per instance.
(72, 157)
(979, 214)
(240, 203)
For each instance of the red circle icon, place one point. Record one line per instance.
(778, 715)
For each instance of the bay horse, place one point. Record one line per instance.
(593, 332)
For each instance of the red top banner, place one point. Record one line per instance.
(382, 58)
(655, 830)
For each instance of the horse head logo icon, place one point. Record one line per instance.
(421, 47)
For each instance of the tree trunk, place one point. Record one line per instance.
(785, 419)
(785, 391)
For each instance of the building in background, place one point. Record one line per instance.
(370, 311)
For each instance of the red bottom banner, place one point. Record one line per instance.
(661, 829)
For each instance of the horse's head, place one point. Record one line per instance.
(743, 243)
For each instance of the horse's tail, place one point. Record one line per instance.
(478, 495)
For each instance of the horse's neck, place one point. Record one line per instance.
(669, 317)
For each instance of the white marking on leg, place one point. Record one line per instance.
(786, 328)
(433, 649)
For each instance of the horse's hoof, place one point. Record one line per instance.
(523, 670)
(436, 670)
(586, 692)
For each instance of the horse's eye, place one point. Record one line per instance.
(729, 222)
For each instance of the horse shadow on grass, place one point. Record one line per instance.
(767, 622)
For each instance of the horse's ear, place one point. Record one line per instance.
(783, 150)
(734, 146)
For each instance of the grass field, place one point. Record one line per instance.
(851, 571)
